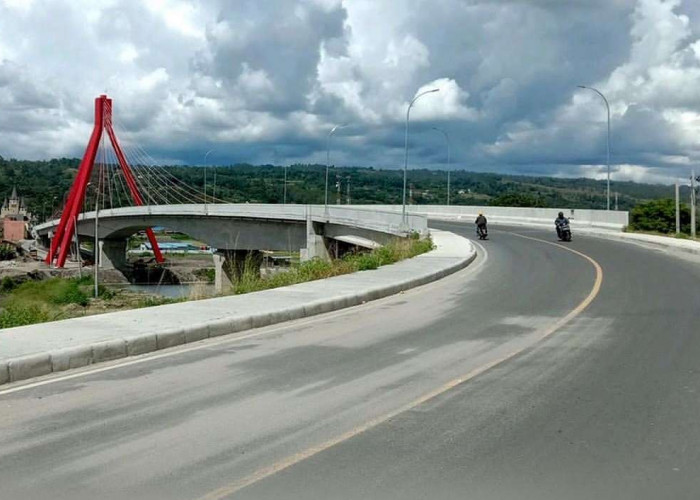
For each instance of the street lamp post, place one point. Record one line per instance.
(205, 174)
(447, 139)
(607, 107)
(405, 165)
(328, 159)
(284, 195)
(96, 249)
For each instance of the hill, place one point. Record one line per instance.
(44, 184)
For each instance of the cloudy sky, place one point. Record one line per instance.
(264, 81)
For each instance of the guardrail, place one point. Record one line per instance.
(371, 217)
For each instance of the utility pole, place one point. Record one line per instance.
(447, 140)
(692, 203)
(448, 188)
(77, 248)
(404, 218)
(96, 251)
(615, 200)
(607, 107)
(678, 209)
(284, 196)
(347, 201)
(337, 185)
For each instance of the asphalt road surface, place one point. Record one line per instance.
(541, 371)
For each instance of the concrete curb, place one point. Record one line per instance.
(649, 241)
(133, 344)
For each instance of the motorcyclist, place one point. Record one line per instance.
(481, 224)
(559, 222)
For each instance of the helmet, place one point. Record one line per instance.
(561, 215)
(481, 213)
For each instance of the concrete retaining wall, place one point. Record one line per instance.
(604, 219)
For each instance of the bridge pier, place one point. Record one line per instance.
(113, 254)
(230, 265)
(316, 243)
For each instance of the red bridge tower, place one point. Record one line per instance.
(61, 242)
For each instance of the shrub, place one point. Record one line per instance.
(58, 291)
(659, 216)
(7, 284)
(18, 315)
(251, 281)
(515, 199)
(7, 252)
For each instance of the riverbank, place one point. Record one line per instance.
(57, 298)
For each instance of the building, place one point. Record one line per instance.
(15, 218)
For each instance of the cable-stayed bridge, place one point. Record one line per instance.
(120, 190)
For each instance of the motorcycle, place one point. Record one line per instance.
(564, 232)
(482, 232)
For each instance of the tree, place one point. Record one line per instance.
(659, 216)
(513, 199)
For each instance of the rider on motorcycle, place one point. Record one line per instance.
(480, 223)
(559, 222)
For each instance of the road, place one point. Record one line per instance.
(524, 376)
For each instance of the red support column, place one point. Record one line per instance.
(62, 239)
(61, 242)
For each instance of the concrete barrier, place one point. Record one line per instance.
(604, 219)
(34, 365)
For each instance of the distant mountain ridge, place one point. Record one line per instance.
(44, 183)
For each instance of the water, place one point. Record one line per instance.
(172, 291)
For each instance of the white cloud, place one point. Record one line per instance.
(248, 74)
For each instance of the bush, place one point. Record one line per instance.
(208, 274)
(659, 216)
(7, 284)
(58, 291)
(251, 281)
(18, 315)
(514, 199)
(7, 252)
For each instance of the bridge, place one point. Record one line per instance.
(541, 370)
(236, 230)
(132, 193)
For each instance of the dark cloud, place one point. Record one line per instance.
(249, 77)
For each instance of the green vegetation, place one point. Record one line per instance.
(205, 274)
(179, 236)
(44, 183)
(7, 251)
(17, 315)
(659, 216)
(60, 298)
(38, 301)
(514, 199)
(251, 281)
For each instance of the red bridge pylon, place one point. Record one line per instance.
(61, 242)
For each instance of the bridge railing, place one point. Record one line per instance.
(369, 217)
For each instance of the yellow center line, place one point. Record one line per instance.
(289, 461)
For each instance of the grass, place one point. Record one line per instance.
(251, 281)
(39, 301)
